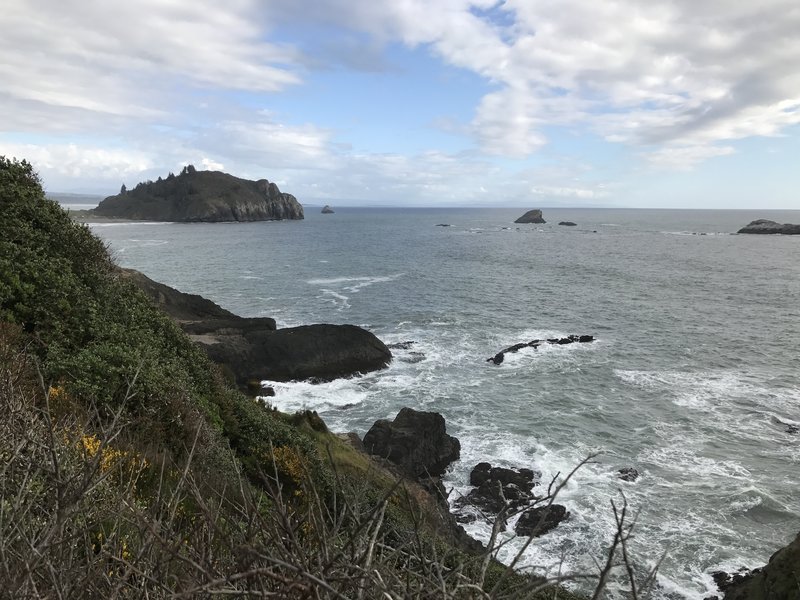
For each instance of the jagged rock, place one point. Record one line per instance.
(401, 345)
(524, 479)
(541, 519)
(568, 223)
(777, 580)
(500, 356)
(766, 226)
(532, 216)
(628, 474)
(201, 196)
(251, 349)
(497, 488)
(417, 441)
(327, 210)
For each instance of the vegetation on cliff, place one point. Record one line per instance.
(130, 468)
(207, 196)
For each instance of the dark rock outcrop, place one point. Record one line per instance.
(201, 196)
(500, 356)
(628, 474)
(777, 580)
(416, 441)
(766, 226)
(401, 345)
(253, 349)
(568, 224)
(541, 519)
(327, 210)
(320, 352)
(532, 216)
(498, 488)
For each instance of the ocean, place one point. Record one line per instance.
(694, 377)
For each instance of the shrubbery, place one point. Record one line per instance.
(129, 468)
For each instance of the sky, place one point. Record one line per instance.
(663, 103)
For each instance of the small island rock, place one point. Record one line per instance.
(532, 216)
(201, 196)
(568, 224)
(766, 226)
(327, 210)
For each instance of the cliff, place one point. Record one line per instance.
(201, 196)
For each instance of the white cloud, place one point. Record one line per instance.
(128, 58)
(56, 161)
(640, 73)
(211, 165)
(117, 91)
(683, 158)
(582, 193)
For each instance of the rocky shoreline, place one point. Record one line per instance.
(415, 446)
(253, 349)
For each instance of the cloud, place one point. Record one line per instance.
(637, 73)
(113, 91)
(683, 158)
(129, 59)
(570, 192)
(59, 161)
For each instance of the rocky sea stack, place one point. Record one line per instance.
(532, 216)
(201, 196)
(767, 226)
(327, 210)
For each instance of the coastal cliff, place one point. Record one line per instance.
(201, 196)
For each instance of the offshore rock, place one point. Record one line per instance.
(201, 196)
(568, 224)
(252, 349)
(500, 356)
(538, 521)
(416, 441)
(765, 226)
(327, 210)
(532, 216)
(628, 474)
(498, 488)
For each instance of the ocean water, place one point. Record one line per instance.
(694, 379)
